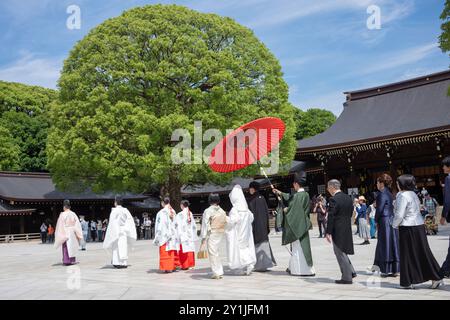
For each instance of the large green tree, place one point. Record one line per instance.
(136, 78)
(312, 122)
(23, 113)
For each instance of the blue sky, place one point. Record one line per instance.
(324, 46)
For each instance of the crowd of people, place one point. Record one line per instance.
(395, 221)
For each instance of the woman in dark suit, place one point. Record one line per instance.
(387, 257)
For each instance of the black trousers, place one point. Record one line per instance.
(445, 269)
(44, 237)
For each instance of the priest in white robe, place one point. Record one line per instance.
(120, 234)
(241, 247)
(187, 236)
(68, 234)
(166, 237)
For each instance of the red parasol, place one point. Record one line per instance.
(247, 145)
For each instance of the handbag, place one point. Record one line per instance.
(202, 253)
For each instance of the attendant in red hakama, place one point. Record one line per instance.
(166, 237)
(187, 235)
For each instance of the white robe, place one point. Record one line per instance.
(165, 230)
(121, 233)
(68, 229)
(187, 232)
(241, 247)
(297, 264)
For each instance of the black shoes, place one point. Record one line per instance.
(343, 282)
(365, 243)
(120, 267)
(353, 275)
(389, 275)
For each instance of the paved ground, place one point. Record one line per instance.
(34, 271)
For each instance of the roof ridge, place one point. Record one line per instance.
(397, 86)
(17, 174)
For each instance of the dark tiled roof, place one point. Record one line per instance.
(409, 107)
(40, 187)
(149, 203)
(5, 208)
(197, 190)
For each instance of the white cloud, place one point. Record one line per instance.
(396, 10)
(398, 59)
(284, 11)
(33, 71)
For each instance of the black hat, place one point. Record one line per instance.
(300, 178)
(255, 185)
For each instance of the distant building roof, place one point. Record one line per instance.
(207, 188)
(151, 203)
(16, 186)
(396, 110)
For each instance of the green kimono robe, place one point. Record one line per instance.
(296, 222)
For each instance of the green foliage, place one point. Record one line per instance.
(444, 38)
(136, 78)
(23, 113)
(312, 122)
(9, 151)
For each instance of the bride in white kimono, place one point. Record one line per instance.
(68, 234)
(121, 233)
(241, 247)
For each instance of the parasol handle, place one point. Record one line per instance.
(261, 167)
(265, 174)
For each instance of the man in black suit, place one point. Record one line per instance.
(339, 230)
(445, 269)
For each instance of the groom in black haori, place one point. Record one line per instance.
(258, 206)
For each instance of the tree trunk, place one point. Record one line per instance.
(172, 189)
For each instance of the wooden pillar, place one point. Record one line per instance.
(92, 212)
(22, 224)
(325, 178)
(55, 213)
(393, 171)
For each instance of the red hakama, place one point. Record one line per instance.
(187, 259)
(177, 259)
(166, 259)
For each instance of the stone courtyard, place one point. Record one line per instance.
(34, 271)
